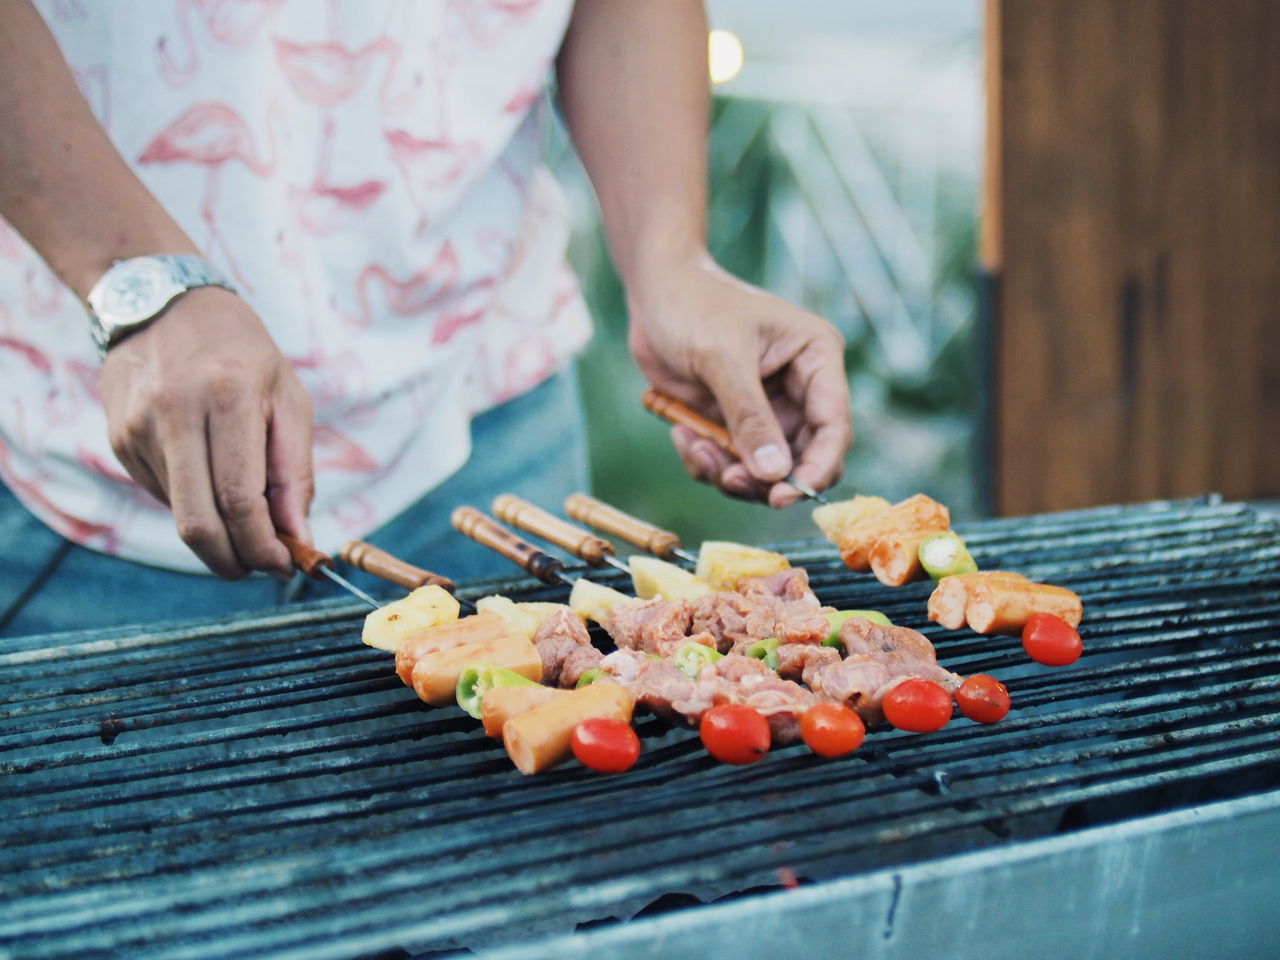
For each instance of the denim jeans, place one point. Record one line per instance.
(532, 446)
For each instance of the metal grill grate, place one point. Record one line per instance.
(266, 787)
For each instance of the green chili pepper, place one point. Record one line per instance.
(590, 676)
(477, 679)
(838, 617)
(692, 657)
(944, 555)
(766, 650)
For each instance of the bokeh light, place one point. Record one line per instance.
(724, 54)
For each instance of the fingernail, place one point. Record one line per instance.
(770, 460)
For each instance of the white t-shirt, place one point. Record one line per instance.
(369, 174)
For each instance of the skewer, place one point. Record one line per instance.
(378, 562)
(488, 532)
(319, 565)
(365, 556)
(584, 545)
(638, 533)
(673, 411)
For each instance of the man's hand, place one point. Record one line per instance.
(206, 414)
(634, 91)
(774, 374)
(203, 410)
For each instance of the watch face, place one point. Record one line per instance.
(134, 289)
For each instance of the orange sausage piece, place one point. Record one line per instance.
(895, 559)
(481, 626)
(908, 516)
(435, 675)
(950, 597)
(1004, 607)
(503, 703)
(540, 738)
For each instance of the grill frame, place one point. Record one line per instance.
(227, 868)
(1113, 891)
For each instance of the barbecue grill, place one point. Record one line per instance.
(266, 787)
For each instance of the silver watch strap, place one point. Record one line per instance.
(193, 271)
(187, 271)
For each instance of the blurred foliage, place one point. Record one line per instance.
(783, 215)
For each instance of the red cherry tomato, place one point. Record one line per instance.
(733, 733)
(983, 698)
(605, 745)
(918, 705)
(1051, 640)
(832, 729)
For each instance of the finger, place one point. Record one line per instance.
(789, 413)
(738, 482)
(782, 495)
(290, 477)
(757, 435)
(147, 477)
(821, 464)
(238, 464)
(190, 486)
(817, 380)
(132, 438)
(707, 463)
(704, 461)
(800, 440)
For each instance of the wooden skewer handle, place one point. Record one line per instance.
(673, 411)
(371, 559)
(598, 514)
(306, 558)
(489, 533)
(533, 519)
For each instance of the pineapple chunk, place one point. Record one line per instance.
(388, 627)
(833, 519)
(593, 601)
(523, 619)
(724, 565)
(657, 578)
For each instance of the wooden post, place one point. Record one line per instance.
(1132, 213)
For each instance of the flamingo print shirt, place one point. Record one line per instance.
(369, 173)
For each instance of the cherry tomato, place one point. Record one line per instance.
(733, 733)
(1051, 640)
(918, 705)
(605, 745)
(832, 729)
(983, 698)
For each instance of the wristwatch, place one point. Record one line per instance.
(136, 291)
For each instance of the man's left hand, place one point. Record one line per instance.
(771, 372)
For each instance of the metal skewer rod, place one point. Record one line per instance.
(583, 544)
(374, 560)
(348, 585)
(319, 565)
(675, 412)
(637, 532)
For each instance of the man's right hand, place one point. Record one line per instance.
(207, 415)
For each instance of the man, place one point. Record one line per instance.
(349, 204)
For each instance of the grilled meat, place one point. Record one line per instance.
(558, 637)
